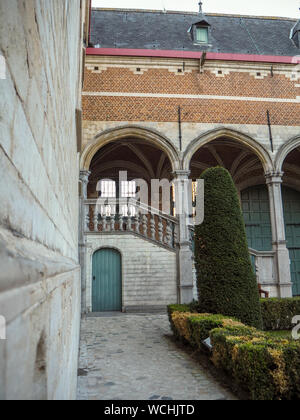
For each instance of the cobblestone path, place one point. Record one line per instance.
(131, 357)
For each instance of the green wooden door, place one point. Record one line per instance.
(291, 205)
(107, 281)
(256, 211)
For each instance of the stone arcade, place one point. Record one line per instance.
(170, 109)
(160, 95)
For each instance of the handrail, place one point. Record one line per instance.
(256, 253)
(132, 202)
(103, 216)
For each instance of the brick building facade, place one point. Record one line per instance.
(162, 100)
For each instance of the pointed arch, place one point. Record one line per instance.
(285, 150)
(244, 139)
(109, 136)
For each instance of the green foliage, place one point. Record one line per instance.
(284, 334)
(266, 367)
(291, 355)
(176, 308)
(244, 355)
(195, 307)
(226, 281)
(277, 314)
(201, 325)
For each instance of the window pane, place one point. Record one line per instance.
(108, 189)
(128, 189)
(202, 35)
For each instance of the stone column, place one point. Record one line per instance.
(184, 252)
(84, 179)
(282, 259)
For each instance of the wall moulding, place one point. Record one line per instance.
(98, 64)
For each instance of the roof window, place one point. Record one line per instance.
(201, 34)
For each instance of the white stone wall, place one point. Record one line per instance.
(149, 274)
(40, 41)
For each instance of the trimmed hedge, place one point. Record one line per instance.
(267, 368)
(201, 325)
(277, 314)
(194, 328)
(176, 308)
(226, 281)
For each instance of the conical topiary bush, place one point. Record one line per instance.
(226, 280)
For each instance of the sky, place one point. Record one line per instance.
(284, 8)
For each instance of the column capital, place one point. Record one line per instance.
(274, 177)
(181, 173)
(84, 176)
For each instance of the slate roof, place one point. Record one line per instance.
(136, 29)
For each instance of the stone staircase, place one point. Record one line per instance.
(107, 217)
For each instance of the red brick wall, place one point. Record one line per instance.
(193, 110)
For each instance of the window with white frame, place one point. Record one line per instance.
(108, 193)
(128, 190)
(108, 189)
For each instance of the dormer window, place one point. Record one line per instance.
(199, 30)
(295, 34)
(201, 34)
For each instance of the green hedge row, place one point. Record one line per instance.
(176, 308)
(267, 368)
(278, 313)
(200, 327)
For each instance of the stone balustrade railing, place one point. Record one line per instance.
(128, 215)
(263, 264)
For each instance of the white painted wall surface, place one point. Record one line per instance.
(148, 270)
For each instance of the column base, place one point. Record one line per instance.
(283, 270)
(186, 294)
(285, 290)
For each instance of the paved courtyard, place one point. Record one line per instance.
(131, 357)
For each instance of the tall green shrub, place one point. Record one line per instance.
(226, 281)
(278, 314)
